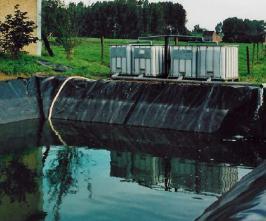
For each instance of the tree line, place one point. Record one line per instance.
(133, 18)
(114, 19)
(238, 30)
(242, 30)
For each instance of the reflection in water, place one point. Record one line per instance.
(70, 174)
(13, 183)
(203, 177)
(173, 174)
(124, 174)
(20, 195)
(61, 175)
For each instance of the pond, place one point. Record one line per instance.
(76, 171)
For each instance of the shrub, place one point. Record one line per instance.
(16, 32)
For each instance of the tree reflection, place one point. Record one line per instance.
(62, 176)
(16, 180)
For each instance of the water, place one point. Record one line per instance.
(115, 173)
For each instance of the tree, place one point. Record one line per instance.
(129, 18)
(174, 16)
(197, 29)
(239, 30)
(114, 19)
(157, 22)
(218, 28)
(68, 31)
(16, 33)
(50, 10)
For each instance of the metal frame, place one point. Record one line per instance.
(166, 48)
(181, 81)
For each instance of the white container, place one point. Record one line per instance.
(148, 60)
(183, 61)
(120, 60)
(203, 62)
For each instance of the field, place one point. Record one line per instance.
(87, 62)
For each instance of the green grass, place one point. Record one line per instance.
(87, 58)
(26, 65)
(258, 69)
(87, 62)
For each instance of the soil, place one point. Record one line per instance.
(4, 77)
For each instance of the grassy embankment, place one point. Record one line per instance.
(86, 62)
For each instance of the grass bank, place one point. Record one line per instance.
(87, 61)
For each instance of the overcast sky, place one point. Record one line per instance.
(208, 13)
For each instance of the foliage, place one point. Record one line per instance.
(50, 11)
(219, 28)
(13, 183)
(16, 32)
(63, 22)
(118, 19)
(198, 30)
(62, 176)
(239, 30)
(68, 31)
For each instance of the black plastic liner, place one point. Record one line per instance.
(225, 109)
(245, 201)
(18, 100)
(263, 113)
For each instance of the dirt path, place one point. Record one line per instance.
(4, 77)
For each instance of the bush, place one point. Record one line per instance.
(16, 32)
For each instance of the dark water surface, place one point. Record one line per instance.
(96, 172)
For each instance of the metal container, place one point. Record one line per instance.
(120, 60)
(147, 60)
(204, 62)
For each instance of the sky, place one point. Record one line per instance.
(208, 13)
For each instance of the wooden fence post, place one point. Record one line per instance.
(248, 64)
(176, 41)
(253, 54)
(102, 48)
(257, 51)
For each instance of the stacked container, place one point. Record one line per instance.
(190, 62)
(203, 62)
(183, 61)
(147, 60)
(121, 60)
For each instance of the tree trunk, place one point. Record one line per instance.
(47, 45)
